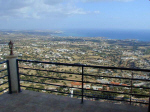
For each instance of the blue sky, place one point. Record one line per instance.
(74, 14)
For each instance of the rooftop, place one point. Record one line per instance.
(31, 101)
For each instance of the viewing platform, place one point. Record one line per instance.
(77, 97)
(31, 101)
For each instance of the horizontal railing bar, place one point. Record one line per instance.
(118, 68)
(140, 79)
(48, 77)
(50, 71)
(81, 81)
(114, 99)
(66, 64)
(3, 70)
(139, 102)
(116, 77)
(84, 95)
(4, 89)
(89, 89)
(115, 85)
(51, 90)
(84, 81)
(106, 76)
(3, 62)
(103, 67)
(4, 83)
(49, 84)
(119, 92)
(88, 74)
(3, 76)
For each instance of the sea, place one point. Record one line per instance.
(139, 35)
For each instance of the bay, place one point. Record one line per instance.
(140, 35)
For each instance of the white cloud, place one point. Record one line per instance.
(38, 8)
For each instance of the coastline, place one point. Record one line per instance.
(138, 35)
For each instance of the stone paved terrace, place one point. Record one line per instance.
(30, 101)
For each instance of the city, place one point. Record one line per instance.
(98, 51)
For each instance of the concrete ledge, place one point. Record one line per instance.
(11, 56)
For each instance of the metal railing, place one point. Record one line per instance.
(83, 92)
(5, 77)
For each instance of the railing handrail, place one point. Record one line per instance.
(3, 62)
(84, 65)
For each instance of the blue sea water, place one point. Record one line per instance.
(140, 35)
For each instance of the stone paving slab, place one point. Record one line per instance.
(31, 101)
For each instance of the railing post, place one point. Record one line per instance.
(131, 88)
(9, 80)
(82, 84)
(13, 76)
(19, 89)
